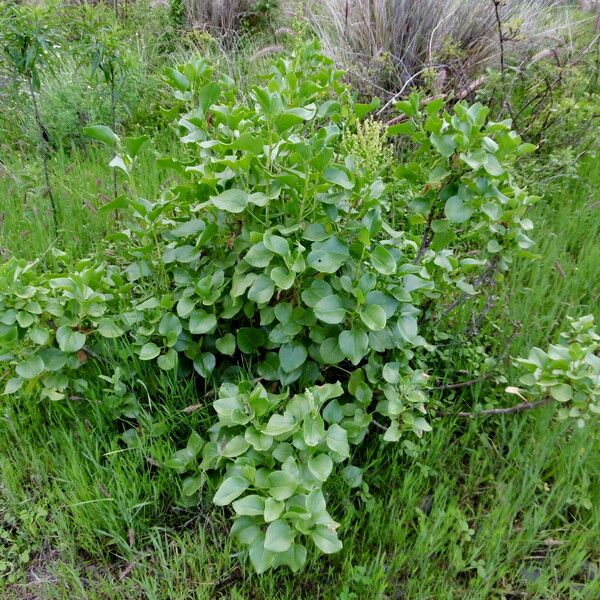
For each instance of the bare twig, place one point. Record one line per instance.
(404, 86)
(483, 280)
(113, 118)
(501, 39)
(517, 408)
(44, 152)
(509, 410)
(462, 384)
(427, 235)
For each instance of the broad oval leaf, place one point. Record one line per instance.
(69, 340)
(330, 309)
(231, 488)
(233, 201)
(373, 316)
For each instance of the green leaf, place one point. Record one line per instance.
(102, 133)
(362, 109)
(204, 364)
(286, 120)
(170, 325)
(391, 372)
(326, 539)
(13, 385)
(392, 433)
(31, 368)
(276, 244)
(330, 309)
(208, 95)
(283, 278)
(167, 361)
(261, 558)
(229, 490)
(294, 557)
(313, 430)
(292, 356)
(282, 485)
(339, 177)
(493, 166)
(383, 260)
(352, 475)
(191, 485)
(337, 440)
(408, 327)
(330, 351)
(246, 530)
(69, 340)
(280, 425)
(320, 466)
(444, 144)
(420, 424)
(226, 344)
(456, 210)
(259, 256)
(252, 505)
(133, 144)
(54, 359)
(109, 329)
(177, 79)
(233, 201)
(249, 339)
(437, 175)
(118, 162)
(262, 290)
(273, 509)
(236, 446)
(149, 351)
(202, 322)
(328, 256)
(373, 316)
(561, 392)
(39, 335)
(493, 246)
(354, 344)
(279, 536)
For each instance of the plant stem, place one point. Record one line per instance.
(113, 110)
(427, 234)
(43, 152)
(501, 39)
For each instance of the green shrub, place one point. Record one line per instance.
(271, 270)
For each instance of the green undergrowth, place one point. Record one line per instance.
(501, 507)
(83, 185)
(510, 510)
(504, 508)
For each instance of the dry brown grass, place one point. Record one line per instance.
(388, 44)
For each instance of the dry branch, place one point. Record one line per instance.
(517, 408)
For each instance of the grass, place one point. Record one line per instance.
(389, 45)
(82, 184)
(510, 512)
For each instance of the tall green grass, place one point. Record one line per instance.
(82, 185)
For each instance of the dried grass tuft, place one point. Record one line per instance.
(391, 44)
